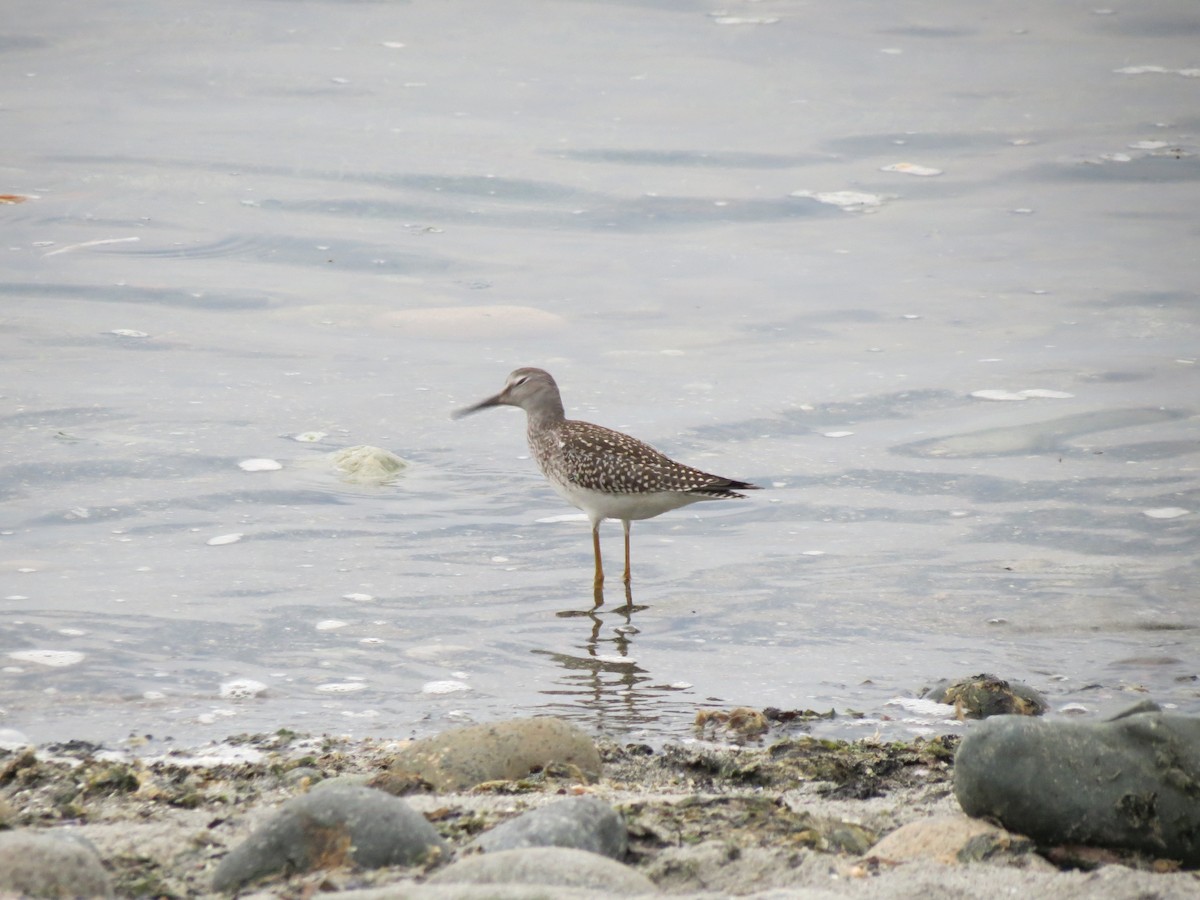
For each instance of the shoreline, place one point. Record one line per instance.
(796, 818)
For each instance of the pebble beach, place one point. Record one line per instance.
(801, 818)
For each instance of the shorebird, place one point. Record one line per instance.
(607, 474)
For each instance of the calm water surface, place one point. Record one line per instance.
(245, 223)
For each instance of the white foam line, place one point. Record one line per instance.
(124, 240)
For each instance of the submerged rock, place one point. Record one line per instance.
(1131, 782)
(740, 723)
(505, 751)
(584, 823)
(981, 696)
(364, 464)
(339, 825)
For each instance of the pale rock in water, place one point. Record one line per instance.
(364, 464)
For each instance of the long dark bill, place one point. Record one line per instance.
(482, 404)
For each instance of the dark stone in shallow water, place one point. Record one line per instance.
(1131, 782)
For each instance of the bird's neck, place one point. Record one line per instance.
(545, 415)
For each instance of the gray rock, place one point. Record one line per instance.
(584, 823)
(50, 864)
(337, 826)
(464, 757)
(547, 866)
(1131, 782)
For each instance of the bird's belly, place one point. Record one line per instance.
(599, 505)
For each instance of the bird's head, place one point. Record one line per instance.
(531, 389)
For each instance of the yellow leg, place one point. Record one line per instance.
(625, 522)
(596, 549)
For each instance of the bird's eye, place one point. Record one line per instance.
(521, 380)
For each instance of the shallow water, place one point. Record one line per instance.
(248, 222)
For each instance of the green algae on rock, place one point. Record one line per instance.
(981, 696)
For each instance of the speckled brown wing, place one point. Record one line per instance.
(601, 459)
